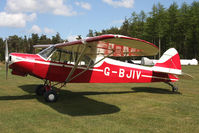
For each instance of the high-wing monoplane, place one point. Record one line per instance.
(91, 60)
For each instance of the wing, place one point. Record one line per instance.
(118, 45)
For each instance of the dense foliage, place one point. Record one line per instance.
(173, 27)
(25, 45)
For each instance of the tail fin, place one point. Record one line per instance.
(169, 63)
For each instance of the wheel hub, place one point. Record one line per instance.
(51, 97)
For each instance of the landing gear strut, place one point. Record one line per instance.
(174, 88)
(50, 95)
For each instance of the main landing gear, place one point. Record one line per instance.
(47, 91)
(174, 88)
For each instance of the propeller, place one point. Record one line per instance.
(6, 59)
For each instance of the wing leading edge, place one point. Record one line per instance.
(118, 45)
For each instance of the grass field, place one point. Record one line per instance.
(100, 108)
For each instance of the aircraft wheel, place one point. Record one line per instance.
(40, 90)
(174, 89)
(50, 96)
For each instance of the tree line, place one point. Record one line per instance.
(25, 45)
(175, 26)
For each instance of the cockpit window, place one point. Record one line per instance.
(64, 56)
(46, 53)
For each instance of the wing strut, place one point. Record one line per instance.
(88, 67)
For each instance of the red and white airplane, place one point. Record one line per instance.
(86, 61)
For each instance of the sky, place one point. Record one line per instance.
(69, 17)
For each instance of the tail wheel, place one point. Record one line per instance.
(50, 96)
(175, 89)
(40, 90)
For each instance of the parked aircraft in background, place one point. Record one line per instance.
(151, 62)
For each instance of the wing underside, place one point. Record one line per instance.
(112, 45)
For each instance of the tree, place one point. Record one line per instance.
(56, 38)
(182, 29)
(2, 49)
(90, 34)
(26, 45)
(43, 39)
(194, 30)
(124, 30)
(172, 24)
(34, 40)
(161, 26)
(151, 25)
(15, 43)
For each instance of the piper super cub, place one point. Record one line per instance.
(86, 61)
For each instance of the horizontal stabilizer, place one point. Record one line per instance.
(186, 76)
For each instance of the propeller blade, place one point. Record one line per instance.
(6, 52)
(6, 70)
(6, 59)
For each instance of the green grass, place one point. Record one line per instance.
(100, 108)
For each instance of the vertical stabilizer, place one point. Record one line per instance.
(169, 62)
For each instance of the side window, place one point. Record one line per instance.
(55, 56)
(61, 56)
(87, 61)
(65, 57)
(68, 57)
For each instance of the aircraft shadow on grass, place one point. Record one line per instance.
(77, 104)
(153, 90)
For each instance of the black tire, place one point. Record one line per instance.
(40, 90)
(175, 89)
(50, 96)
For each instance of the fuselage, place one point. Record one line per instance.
(106, 71)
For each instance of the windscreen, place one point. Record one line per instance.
(46, 53)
